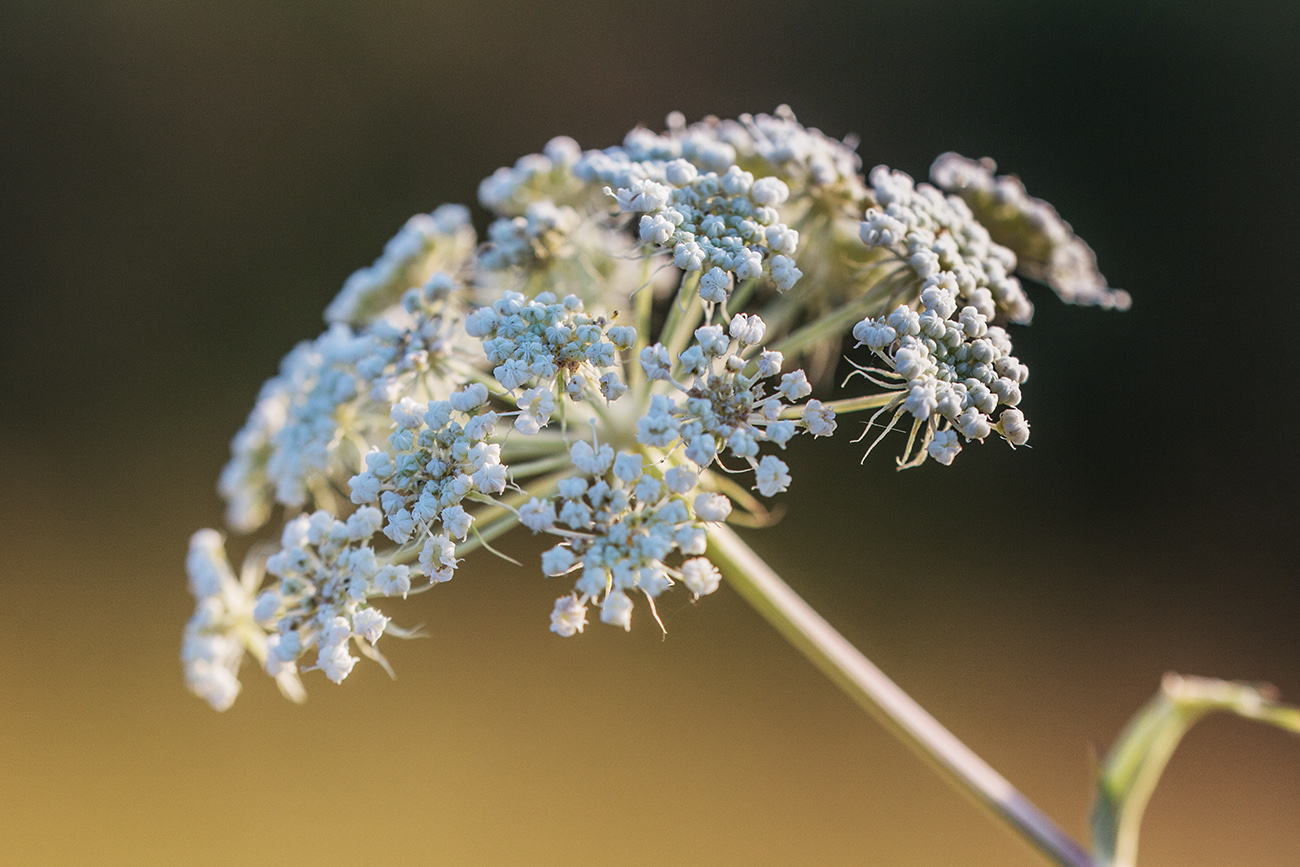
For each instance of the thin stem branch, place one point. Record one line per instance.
(846, 405)
(643, 300)
(833, 323)
(867, 685)
(683, 305)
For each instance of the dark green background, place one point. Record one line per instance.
(183, 186)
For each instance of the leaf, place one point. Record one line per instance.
(1129, 773)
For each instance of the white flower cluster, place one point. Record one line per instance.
(553, 234)
(442, 240)
(952, 370)
(327, 572)
(543, 380)
(222, 627)
(727, 223)
(805, 158)
(1049, 250)
(821, 176)
(620, 523)
(437, 459)
(291, 438)
(808, 161)
(310, 422)
(541, 343)
(548, 176)
(725, 406)
(939, 240)
(210, 653)
(410, 349)
(540, 235)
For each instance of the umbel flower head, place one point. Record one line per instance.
(619, 365)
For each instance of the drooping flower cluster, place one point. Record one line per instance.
(1047, 247)
(551, 378)
(223, 626)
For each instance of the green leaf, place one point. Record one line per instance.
(1129, 773)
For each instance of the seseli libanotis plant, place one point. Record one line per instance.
(619, 365)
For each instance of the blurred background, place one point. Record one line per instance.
(185, 185)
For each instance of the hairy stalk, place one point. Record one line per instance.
(816, 639)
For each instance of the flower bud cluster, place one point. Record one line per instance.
(939, 240)
(778, 145)
(952, 368)
(437, 459)
(327, 572)
(1046, 245)
(309, 419)
(540, 236)
(409, 349)
(726, 223)
(621, 522)
(725, 405)
(541, 343)
(291, 439)
(536, 177)
(441, 241)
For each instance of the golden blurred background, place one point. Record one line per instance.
(186, 184)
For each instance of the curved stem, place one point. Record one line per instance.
(816, 639)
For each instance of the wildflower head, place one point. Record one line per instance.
(619, 366)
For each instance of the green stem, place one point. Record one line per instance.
(739, 298)
(644, 308)
(785, 309)
(679, 325)
(831, 324)
(867, 685)
(529, 469)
